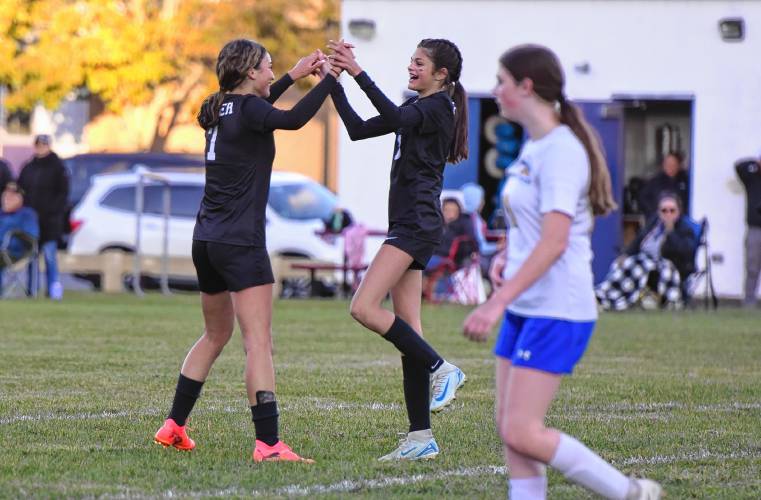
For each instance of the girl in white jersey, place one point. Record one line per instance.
(559, 181)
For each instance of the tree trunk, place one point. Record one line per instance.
(167, 115)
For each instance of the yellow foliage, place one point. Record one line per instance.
(124, 51)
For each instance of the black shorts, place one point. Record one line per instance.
(221, 267)
(420, 250)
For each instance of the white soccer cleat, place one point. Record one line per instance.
(418, 445)
(646, 490)
(444, 384)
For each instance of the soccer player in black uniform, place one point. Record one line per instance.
(431, 129)
(229, 253)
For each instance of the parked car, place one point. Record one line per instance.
(105, 218)
(84, 166)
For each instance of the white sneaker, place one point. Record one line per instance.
(418, 445)
(444, 384)
(646, 490)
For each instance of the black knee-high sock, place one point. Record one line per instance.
(412, 345)
(264, 415)
(417, 394)
(185, 397)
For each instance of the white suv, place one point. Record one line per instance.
(105, 217)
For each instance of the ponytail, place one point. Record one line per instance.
(458, 151)
(445, 54)
(235, 59)
(208, 115)
(600, 189)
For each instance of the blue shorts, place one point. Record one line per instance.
(546, 344)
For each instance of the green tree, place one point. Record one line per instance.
(157, 53)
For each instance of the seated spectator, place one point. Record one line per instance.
(661, 258)
(473, 196)
(14, 216)
(456, 225)
(672, 178)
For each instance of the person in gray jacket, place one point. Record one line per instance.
(749, 172)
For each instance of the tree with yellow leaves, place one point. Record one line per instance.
(154, 53)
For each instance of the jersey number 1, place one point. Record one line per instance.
(211, 155)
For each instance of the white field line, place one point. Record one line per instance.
(348, 485)
(656, 407)
(311, 403)
(353, 485)
(605, 413)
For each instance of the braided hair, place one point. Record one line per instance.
(235, 60)
(446, 54)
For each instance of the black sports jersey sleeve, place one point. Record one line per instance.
(395, 116)
(280, 86)
(261, 115)
(358, 128)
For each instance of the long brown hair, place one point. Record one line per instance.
(235, 59)
(445, 54)
(542, 66)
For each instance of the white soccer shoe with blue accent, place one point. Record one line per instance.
(418, 445)
(444, 384)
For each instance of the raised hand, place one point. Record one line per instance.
(343, 57)
(308, 65)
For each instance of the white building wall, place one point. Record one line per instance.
(632, 47)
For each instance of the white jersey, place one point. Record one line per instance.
(551, 174)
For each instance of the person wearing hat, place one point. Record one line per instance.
(749, 172)
(46, 182)
(14, 216)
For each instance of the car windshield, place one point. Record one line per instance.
(302, 201)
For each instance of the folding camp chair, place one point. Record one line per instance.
(15, 266)
(702, 267)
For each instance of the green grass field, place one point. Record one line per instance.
(85, 383)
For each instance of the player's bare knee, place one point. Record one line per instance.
(218, 338)
(259, 342)
(360, 312)
(519, 436)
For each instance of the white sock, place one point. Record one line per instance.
(583, 466)
(445, 367)
(528, 488)
(421, 435)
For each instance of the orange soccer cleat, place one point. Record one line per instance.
(172, 434)
(278, 452)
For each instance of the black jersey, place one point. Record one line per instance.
(239, 154)
(424, 130)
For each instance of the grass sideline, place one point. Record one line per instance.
(85, 383)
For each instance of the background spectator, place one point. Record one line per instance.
(473, 200)
(5, 174)
(46, 183)
(14, 216)
(660, 257)
(672, 178)
(749, 172)
(455, 225)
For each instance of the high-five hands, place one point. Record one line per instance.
(343, 57)
(308, 65)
